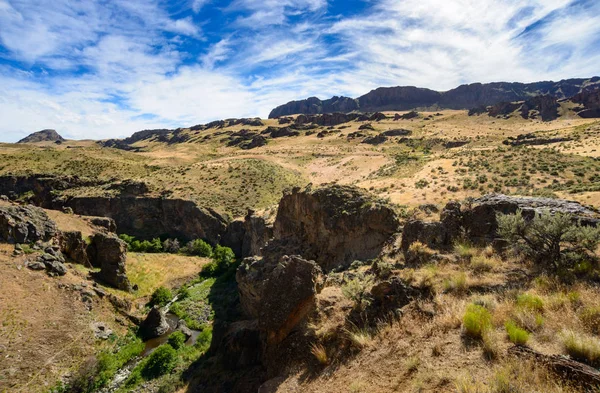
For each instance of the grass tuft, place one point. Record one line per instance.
(582, 347)
(476, 321)
(516, 335)
(320, 353)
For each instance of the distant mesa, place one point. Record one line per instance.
(43, 136)
(475, 95)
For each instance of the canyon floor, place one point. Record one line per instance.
(421, 164)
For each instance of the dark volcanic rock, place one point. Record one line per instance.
(480, 110)
(409, 115)
(43, 187)
(279, 132)
(532, 140)
(43, 136)
(248, 236)
(25, 224)
(313, 106)
(334, 226)
(110, 253)
(367, 126)
(73, 245)
(377, 116)
(455, 144)
(463, 97)
(547, 107)
(503, 108)
(398, 132)
(590, 99)
(278, 294)
(478, 221)
(375, 140)
(154, 325)
(152, 217)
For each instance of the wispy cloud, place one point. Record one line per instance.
(99, 69)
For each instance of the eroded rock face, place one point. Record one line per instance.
(43, 136)
(110, 253)
(278, 294)
(73, 245)
(334, 225)
(25, 224)
(152, 217)
(247, 237)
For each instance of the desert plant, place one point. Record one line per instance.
(457, 283)
(320, 353)
(530, 302)
(160, 362)
(360, 337)
(419, 253)
(160, 296)
(464, 250)
(516, 335)
(223, 259)
(547, 238)
(582, 347)
(171, 246)
(357, 290)
(490, 345)
(482, 264)
(590, 316)
(476, 321)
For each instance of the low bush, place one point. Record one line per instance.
(160, 296)
(160, 362)
(177, 340)
(582, 347)
(419, 253)
(553, 240)
(530, 302)
(200, 248)
(476, 321)
(482, 264)
(516, 335)
(223, 260)
(357, 290)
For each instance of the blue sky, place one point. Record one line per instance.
(107, 68)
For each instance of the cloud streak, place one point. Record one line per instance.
(100, 69)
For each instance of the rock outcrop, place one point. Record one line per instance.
(43, 136)
(110, 253)
(155, 325)
(75, 247)
(334, 226)
(478, 220)
(25, 224)
(278, 294)
(589, 99)
(313, 106)
(149, 217)
(246, 237)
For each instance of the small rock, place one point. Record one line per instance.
(18, 247)
(35, 265)
(55, 268)
(101, 330)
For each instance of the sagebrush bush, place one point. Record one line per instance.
(160, 296)
(476, 321)
(357, 290)
(200, 248)
(553, 240)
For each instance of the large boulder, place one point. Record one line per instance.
(334, 225)
(278, 294)
(110, 253)
(154, 325)
(25, 224)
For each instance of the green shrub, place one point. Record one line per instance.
(553, 239)
(476, 321)
(160, 296)
(200, 248)
(183, 293)
(516, 335)
(177, 339)
(223, 259)
(160, 362)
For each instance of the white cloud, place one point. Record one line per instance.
(106, 69)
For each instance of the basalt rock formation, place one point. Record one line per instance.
(334, 226)
(478, 220)
(43, 136)
(110, 253)
(246, 237)
(149, 217)
(154, 325)
(463, 97)
(589, 100)
(25, 224)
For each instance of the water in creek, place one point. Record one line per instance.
(122, 375)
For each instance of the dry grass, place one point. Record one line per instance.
(320, 353)
(582, 347)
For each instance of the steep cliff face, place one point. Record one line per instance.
(398, 98)
(148, 217)
(41, 186)
(463, 97)
(334, 226)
